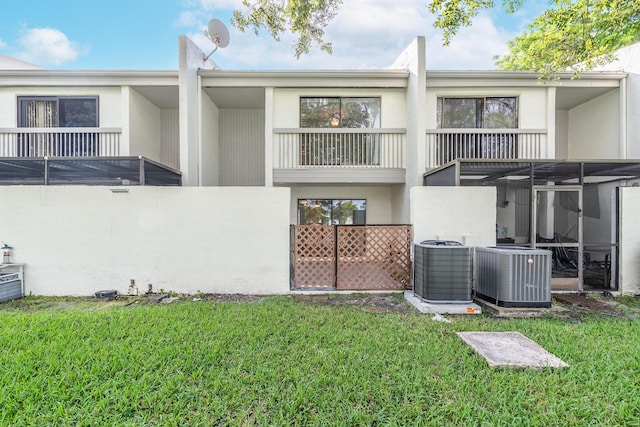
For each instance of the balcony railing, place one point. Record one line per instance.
(445, 145)
(60, 142)
(345, 148)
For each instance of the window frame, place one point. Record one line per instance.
(56, 98)
(331, 202)
(329, 144)
(340, 111)
(479, 141)
(440, 114)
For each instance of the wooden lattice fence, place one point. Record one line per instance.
(368, 257)
(313, 256)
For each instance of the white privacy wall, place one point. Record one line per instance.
(77, 240)
(463, 214)
(629, 276)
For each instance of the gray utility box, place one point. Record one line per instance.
(514, 276)
(11, 282)
(442, 271)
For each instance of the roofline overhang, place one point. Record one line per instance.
(502, 78)
(350, 78)
(88, 78)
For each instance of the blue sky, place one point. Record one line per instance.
(143, 35)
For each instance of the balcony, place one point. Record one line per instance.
(445, 145)
(75, 156)
(339, 155)
(59, 142)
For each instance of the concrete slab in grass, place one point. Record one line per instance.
(510, 350)
(445, 308)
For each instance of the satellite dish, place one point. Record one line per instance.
(218, 34)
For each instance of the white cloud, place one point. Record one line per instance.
(473, 48)
(48, 46)
(220, 4)
(188, 18)
(365, 34)
(3, 44)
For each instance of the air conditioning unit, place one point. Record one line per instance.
(442, 271)
(11, 286)
(514, 276)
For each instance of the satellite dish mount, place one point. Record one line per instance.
(218, 34)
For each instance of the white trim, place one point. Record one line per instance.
(624, 150)
(340, 130)
(268, 137)
(87, 78)
(551, 121)
(305, 79)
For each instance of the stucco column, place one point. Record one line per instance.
(191, 59)
(414, 60)
(546, 214)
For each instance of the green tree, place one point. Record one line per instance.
(344, 212)
(570, 32)
(451, 15)
(576, 35)
(314, 215)
(305, 18)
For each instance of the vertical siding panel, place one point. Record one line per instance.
(170, 138)
(562, 134)
(242, 147)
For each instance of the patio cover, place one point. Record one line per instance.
(86, 171)
(530, 172)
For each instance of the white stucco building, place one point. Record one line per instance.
(192, 178)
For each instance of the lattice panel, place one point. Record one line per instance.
(314, 256)
(374, 257)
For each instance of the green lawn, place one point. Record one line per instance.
(281, 361)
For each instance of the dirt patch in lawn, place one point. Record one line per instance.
(582, 301)
(379, 302)
(239, 298)
(373, 302)
(601, 304)
(577, 305)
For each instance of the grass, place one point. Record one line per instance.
(281, 361)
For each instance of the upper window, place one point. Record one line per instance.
(58, 112)
(483, 112)
(338, 112)
(44, 112)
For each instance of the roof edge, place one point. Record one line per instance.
(516, 74)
